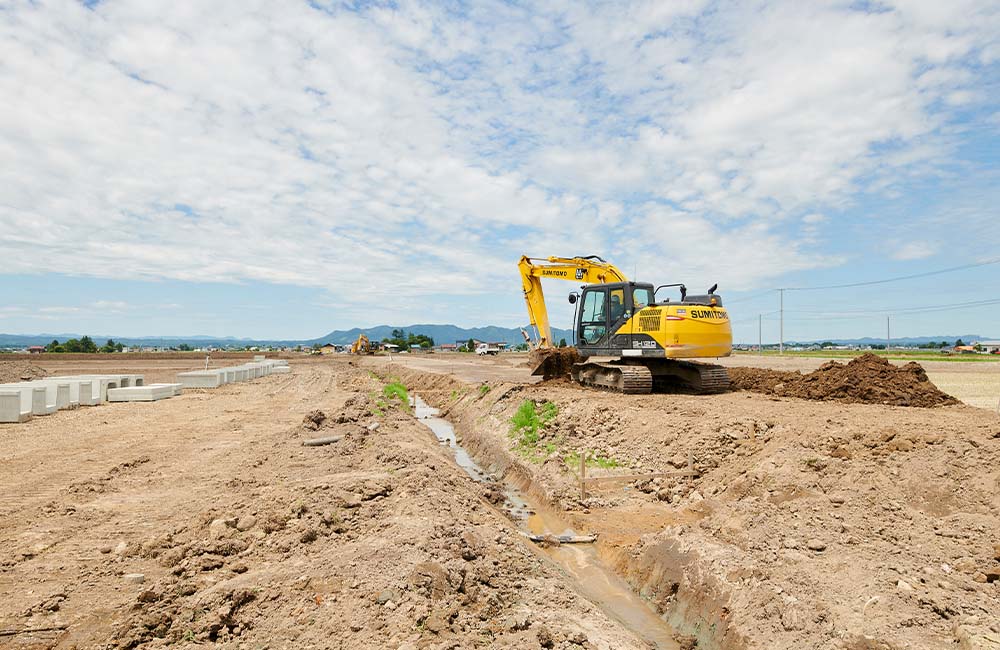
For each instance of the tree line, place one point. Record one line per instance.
(84, 345)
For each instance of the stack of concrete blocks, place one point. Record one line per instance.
(20, 401)
(215, 377)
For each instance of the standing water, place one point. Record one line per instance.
(592, 578)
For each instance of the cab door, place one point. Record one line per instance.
(592, 329)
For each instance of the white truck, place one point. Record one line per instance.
(487, 348)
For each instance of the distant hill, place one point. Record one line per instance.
(440, 334)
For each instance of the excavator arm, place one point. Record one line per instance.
(584, 270)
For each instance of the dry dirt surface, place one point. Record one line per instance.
(204, 520)
(15, 371)
(808, 524)
(867, 379)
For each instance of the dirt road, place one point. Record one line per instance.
(203, 519)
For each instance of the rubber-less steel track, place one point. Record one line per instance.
(631, 380)
(668, 375)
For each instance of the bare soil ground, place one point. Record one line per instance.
(202, 519)
(810, 524)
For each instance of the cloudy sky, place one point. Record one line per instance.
(281, 169)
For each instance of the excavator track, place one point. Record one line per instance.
(689, 376)
(631, 380)
(666, 375)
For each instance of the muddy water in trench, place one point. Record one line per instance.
(591, 577)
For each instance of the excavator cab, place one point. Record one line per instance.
(604, 311)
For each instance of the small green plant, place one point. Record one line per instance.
(572, 461)
(454, 395)
(398, 391)
(485, 388)
(526, 427)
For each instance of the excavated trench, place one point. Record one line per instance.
(591, 577)
(671, 596)
(581, 562)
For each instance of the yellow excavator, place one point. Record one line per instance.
(362, 345)
(648, 339)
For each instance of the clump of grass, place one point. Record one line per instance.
(572, 461)
(526, 428)
(454, 395)
(396, 390)
(485, 388)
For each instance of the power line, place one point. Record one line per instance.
(897, 310)
(897, 279)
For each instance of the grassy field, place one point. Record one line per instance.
(897, 355)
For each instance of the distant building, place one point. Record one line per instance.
(990, 347)
(36, 349)
(328, 348)
(448, 347)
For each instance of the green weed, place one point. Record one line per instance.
(526, 428)
(485, 388)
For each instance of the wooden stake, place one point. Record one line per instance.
(583, 476)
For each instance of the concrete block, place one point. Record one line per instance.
(281, 370)
(40, 404)
(201, 378)
(150, 393)
(11, 409)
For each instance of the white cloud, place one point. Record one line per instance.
(412, 151)
(916, 250)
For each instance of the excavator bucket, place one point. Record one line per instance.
(552, 363)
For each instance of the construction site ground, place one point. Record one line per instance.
(203, 519)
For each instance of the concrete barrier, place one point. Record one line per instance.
(11, 407)
(215, 377)
(40, 403)
(150, 393)
(201, 379)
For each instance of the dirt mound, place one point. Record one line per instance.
(552, 363)
(868, 379)
(14, 371)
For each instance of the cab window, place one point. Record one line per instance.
(593, 316)
(642, 297)
(617, 304)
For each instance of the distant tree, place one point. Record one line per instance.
(562, 343)
(878, 346)
(959, 343)
(51, 347)
(977, 347)
(470, 345)
(827, 344)
(184, 347)
(398, 334)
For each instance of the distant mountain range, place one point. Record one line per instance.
(440, 334)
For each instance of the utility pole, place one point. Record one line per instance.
(781, 334)
(888, 338)
(760, 334)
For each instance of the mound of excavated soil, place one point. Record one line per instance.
(14, 371)
(868, 379)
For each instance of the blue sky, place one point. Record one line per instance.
(279, 170)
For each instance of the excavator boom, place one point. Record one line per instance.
(585, 270)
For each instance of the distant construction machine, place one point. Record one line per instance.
(617, 318)
(362, 345)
